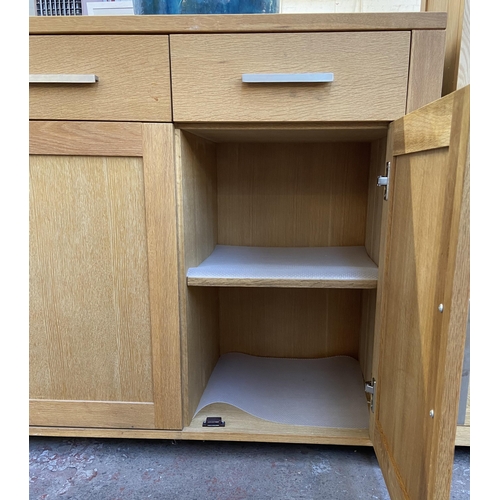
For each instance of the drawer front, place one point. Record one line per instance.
(370, 72)
(133, 78)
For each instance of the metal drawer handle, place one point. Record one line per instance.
(64, 78)
(287, 77)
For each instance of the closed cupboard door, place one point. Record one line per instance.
(104, 319)
(422, 309)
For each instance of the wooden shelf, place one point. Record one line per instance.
(315, 267)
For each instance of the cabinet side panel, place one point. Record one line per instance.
(309, 194)
(161, 225)
(375, 199)
(367, 332)
(290, 323)
(196, 173)
(89, 297)
(426, 68)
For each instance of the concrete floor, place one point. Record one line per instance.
(116, 469)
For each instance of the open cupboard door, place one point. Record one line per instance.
(422, 304)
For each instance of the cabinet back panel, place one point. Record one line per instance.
(89, 295)
(306, 194)
(290, 323)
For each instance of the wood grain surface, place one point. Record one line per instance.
(237, 23)
(290, 323)
(419, 366)
(133, 71)
(370, 76)
(292, 194)
(196, 174)
(89, 296)
(426, 62)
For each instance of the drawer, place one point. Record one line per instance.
(133, 78)
(370, 71)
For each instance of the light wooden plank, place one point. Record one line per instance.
(464, 61)
(323, 267)
(287, 132)
(427, 128)
(377, 333)
(340, 436)
(236, 23)
(375, 199)
(463, 435)
(196, 180)
(370, 71)
(367, 331)
(242, 425)
(292, 194)
(85, 138)
(133, 71)
(91, 414)
(301, 323)
(428, 266)
(161, 225)
(426, 62)
(456, 297)
(89, 301)
(455, 12)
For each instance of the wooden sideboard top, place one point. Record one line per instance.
(236, 23)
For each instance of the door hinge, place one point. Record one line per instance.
(383, 180)
(371, 388)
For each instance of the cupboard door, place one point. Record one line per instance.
(422, 309)
(104, 318)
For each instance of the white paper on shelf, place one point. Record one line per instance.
(325, 392)
(315, 263)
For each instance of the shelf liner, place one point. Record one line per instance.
(325, 392)
(316, 263)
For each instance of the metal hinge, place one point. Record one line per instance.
(370, 388)
(383, 180)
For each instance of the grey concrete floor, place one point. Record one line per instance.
(116, 469)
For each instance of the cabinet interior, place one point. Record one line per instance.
(281, 188)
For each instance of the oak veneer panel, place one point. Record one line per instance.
(196, 174)
(375, 199)
(237, 23)
(89, 294)
(370, 76)
(85, 138)
(291, 323)
(366, 335)
(161, 227)
(287, 132)
(419, 367)
(311, 267)
(405, 402)
(426, 62)
(92, 413)
(292, 194)
(242, 426)
(133, 71)
(455, 18)
(357, 437)
(426, 128)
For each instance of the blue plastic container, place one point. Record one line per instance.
(150, 7)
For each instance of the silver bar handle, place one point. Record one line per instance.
(63, 78)
(287, 77)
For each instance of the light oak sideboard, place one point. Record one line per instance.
(275, 187)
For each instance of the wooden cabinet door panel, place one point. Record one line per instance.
(104, 324)
(422, 309)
